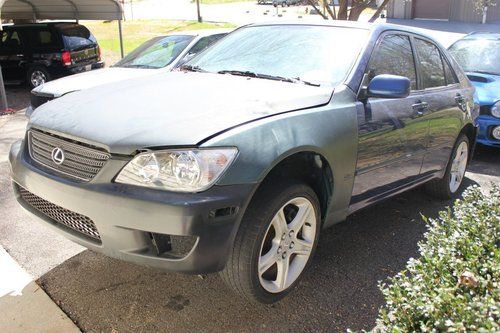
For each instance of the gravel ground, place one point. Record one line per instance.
(339, 291)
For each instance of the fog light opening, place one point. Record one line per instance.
(496, 133)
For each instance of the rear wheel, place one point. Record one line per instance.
(37, 75)
(275, 243)
(451, 183)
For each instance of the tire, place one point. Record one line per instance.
(257, 241)
(451, 184)
(36, 76)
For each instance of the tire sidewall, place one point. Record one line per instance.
(461, 138)
(288, 193)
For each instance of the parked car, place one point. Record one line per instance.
(40, 52)
(157, 55)
(237, 162)
(479, 56)
(286, 3)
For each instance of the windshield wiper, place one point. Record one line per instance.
(267, 77)
(192, 68)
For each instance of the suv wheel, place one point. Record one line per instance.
(37, 76)
(450, 184)
(275, 243)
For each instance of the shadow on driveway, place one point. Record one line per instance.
(339, 291)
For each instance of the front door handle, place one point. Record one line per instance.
(420, 108)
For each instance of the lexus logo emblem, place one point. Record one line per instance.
(58, 156)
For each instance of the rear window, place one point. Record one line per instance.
(77, 36)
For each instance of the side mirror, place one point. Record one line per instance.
(389, 86)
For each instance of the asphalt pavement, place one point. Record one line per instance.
(338, 292)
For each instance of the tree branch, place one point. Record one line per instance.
(378, 11)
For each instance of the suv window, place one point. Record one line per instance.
(10, 39)
(394, 56)
(43, 38)
(76, 36)
(431, 64)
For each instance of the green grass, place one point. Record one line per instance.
(137, 32)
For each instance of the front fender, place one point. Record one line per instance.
(330, 131)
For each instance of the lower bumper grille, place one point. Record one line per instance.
(62, 216)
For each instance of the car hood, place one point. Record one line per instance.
(487, 87)
(90, 79)
(170, 109)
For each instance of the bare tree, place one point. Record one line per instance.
(347, 12)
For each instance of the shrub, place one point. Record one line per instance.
(454, 285)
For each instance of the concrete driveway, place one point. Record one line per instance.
(339, 292)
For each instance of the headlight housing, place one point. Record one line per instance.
(495, 110)
(179, 170)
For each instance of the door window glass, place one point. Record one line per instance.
(43, 38)
(394, 56)
(430, 63)
(448, 72)
(204, 42)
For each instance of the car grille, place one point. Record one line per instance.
(79, 161)
(37, 100)
(67, 218)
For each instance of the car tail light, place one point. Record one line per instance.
(98, 53)
(66, 58)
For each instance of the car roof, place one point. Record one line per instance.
(37, 25)
(199, 33)
(374, 27)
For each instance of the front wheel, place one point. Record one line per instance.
(451, 183)
(275, 243)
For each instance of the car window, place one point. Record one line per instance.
(477, 55)
(431, 65)
(156, 53)
(76, 36)
(318, 54)
(449, 73)
(394, 56)
(10, 39)
(204, 42)
(43, 38)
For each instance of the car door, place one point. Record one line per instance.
(391, 132)
(447, 102)
(11, 55)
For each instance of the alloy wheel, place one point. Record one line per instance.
(37, 78)
(458, 166)
(287, 245)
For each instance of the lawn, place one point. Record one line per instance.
(137, 32)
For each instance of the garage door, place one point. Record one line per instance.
(432, 9)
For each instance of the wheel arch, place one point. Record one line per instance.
(470, 131)
(305, 164)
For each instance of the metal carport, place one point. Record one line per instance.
(33, 10)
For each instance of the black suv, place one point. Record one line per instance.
(40, 52)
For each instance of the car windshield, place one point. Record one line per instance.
(478, 55)
(320, 55)
(77, 36)
(156, 53)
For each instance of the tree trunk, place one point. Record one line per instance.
(342, 15)
(311, 2)
(378, 11)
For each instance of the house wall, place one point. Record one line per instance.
(460, 10)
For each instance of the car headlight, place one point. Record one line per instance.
(180, 170)
(495, 110)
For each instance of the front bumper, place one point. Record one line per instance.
(486, 124)
(126, 216)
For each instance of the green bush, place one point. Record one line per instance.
(454, 285)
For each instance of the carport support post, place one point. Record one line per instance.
(3, 96)
(198, 10)
(121, 36)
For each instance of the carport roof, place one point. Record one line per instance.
(61, 9)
